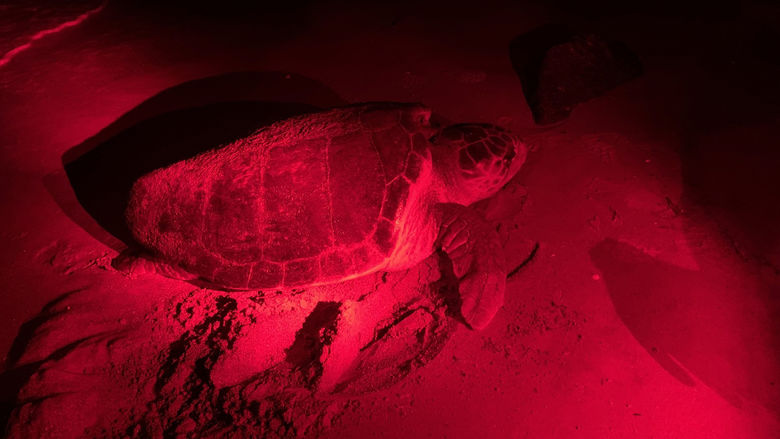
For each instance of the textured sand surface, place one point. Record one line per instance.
(648, 310)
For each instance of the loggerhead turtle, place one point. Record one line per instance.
(330, 196)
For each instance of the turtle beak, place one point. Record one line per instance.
(518, 156)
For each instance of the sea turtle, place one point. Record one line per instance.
(330, 196)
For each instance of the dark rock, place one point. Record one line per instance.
(560, 68)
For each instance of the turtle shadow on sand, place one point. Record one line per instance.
(177, 123)
(716, 324)
(684, 319)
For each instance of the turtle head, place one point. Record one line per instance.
(476, 160)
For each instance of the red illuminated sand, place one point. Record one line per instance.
(649, 310)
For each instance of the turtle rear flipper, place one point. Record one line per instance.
(477, 261)
(132, 264)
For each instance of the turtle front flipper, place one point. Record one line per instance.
(132, 263)
(477, 261)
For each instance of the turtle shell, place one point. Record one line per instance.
(313, 199)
